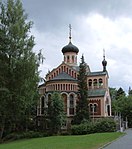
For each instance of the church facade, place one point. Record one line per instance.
(63, 79)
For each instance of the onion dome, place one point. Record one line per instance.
(104, 62)
(70, 48)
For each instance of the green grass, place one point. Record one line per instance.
(92, 141)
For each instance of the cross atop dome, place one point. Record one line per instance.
(70, 28)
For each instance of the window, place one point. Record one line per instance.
(71, 109)
(42, 105)
(93, 107)
(68, 59)
(100, 82)
(90, 83)
(72, 59)
(95, 83)
(64, 97)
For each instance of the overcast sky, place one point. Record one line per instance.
(96, 25)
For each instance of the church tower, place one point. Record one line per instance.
(70, 52)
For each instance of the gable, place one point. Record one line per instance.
(63, 71)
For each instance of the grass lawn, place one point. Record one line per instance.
(91, 141)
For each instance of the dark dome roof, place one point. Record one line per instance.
(104, 62)
(70, 48)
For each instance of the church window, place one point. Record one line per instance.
(66, 87)
(71, 109)
(68, 59)
(42, 105)
(95, 83)
(72, 59)
(69, 87)
(100, 82)
(64, 68)
(93, 107)
(90, 83)
(70, 72)
(64, 97)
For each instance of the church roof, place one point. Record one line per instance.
(96, 93)
(70, 48)
(97, 73)
(63, 76)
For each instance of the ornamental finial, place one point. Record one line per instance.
(70, 32)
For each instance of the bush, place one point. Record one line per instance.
(22, 135)
(102, 125)
(105, 125)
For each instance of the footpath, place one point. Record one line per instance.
(124, 142)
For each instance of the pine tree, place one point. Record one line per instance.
(56, 114)
(120, 92)
(18, 69)
(82, 110)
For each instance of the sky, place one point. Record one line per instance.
(96, 25)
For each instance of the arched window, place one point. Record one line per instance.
(61, 68)
(100, 82)
(64, 97)
(70, 72)
(42, 105)
(64, 68)
(72, 59)
(68, 59)
(95, 83)
(90, 83)
(71, 104)
(93, 107)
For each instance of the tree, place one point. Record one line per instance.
(56, 114)
(82, 110)
(120, 92)
(19, 70)
(130, 91)
(113, 93)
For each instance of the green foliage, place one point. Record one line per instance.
(130, 91)
(19, 69)
(102, 125)
(113, 93)
(24, 135)
(82, 111)
(120, 92)
(56, 114)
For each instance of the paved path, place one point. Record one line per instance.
(124, 142)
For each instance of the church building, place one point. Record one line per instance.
(63, 78)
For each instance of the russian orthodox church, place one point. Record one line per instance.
(63, 78)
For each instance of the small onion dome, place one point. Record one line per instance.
(70, 48)
(104, 62)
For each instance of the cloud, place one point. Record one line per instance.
(52, 15)
(93, 34)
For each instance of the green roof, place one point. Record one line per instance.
(63, 76)
(96, 92)
(97, 73)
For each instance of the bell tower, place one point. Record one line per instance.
(70, 51)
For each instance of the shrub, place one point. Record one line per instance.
(102, 125)
(105, 125)
(22, 135)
